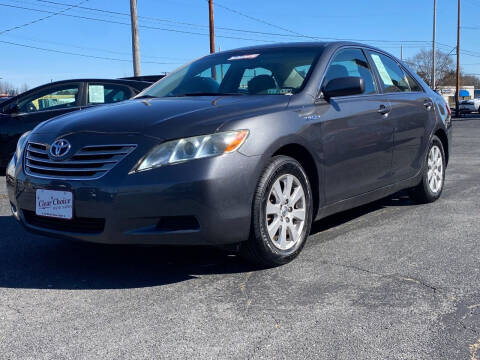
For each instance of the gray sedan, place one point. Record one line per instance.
(241, 149)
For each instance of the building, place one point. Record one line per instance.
(448, 93)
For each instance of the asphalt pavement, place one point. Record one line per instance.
(390, 280)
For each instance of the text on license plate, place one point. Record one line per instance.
(52, 203)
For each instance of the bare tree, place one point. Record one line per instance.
(450, 79)
(24, 88)
(422, 63)
(9, 89)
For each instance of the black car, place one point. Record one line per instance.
(243, 148)
(25, 111)
(4, 98)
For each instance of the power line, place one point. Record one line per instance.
(128, 24)
(257, 20)
(307, 36)
(410, 43)
(78, 54)
(94, 48)
(122, 14)
(43, 18)
(294, 35)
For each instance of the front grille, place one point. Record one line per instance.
(89, 163)
(76, 225)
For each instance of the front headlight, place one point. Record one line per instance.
(21, 145)
(197, 147)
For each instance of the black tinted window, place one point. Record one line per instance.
(107, 93)
(351, 63)
(50, 99)
(392, 77)
(414, 86)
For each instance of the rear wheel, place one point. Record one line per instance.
(281, 214)
(433, 179)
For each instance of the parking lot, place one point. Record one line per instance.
(390, 280)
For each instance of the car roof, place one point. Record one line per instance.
(305, 44)
(118, 81)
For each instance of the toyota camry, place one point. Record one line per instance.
(241, 149)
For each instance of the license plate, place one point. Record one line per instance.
(56, 204)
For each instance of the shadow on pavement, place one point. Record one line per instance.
(30, 261)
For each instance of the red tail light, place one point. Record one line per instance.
(448, 110)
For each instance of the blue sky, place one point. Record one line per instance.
(383, 23)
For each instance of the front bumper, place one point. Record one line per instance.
(208, 201)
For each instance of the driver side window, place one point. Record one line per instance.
(51, 99)
(351, 63)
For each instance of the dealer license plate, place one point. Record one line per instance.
(56, 204)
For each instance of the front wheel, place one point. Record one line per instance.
(433, 179)
(281, 214)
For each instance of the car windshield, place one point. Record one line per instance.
(255, 72)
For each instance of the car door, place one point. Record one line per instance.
(100, 93)
(412, 109)
(34, 108)
(357, 134)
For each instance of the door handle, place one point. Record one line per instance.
(428, 104)
(384, 110)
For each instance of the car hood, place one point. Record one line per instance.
(164, 118)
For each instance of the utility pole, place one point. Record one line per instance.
(135, 46)
(401, 52)
(212, 35)
(457, 93)
(212, 26)
(434, 44)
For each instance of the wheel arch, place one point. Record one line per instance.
(306, 159)
(442, 135)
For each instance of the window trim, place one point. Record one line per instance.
(345, 47)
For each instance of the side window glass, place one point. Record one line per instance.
(414, 86)
(392, 77)
(351, 63)
(216, 73)
(107, 93)
(59, 98)
(296, 77)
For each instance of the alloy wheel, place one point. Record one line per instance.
(435, 169)
(286, 212)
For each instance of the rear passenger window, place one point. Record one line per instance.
(351, 63)
(392, 77)
(414, 86)
(107, 93)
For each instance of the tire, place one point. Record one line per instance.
(267, 246)
(433, 178)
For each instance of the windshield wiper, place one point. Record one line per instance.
(210, 94)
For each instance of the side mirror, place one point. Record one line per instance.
(344, 86)
(12, 109)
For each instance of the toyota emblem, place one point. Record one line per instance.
(60, 148)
